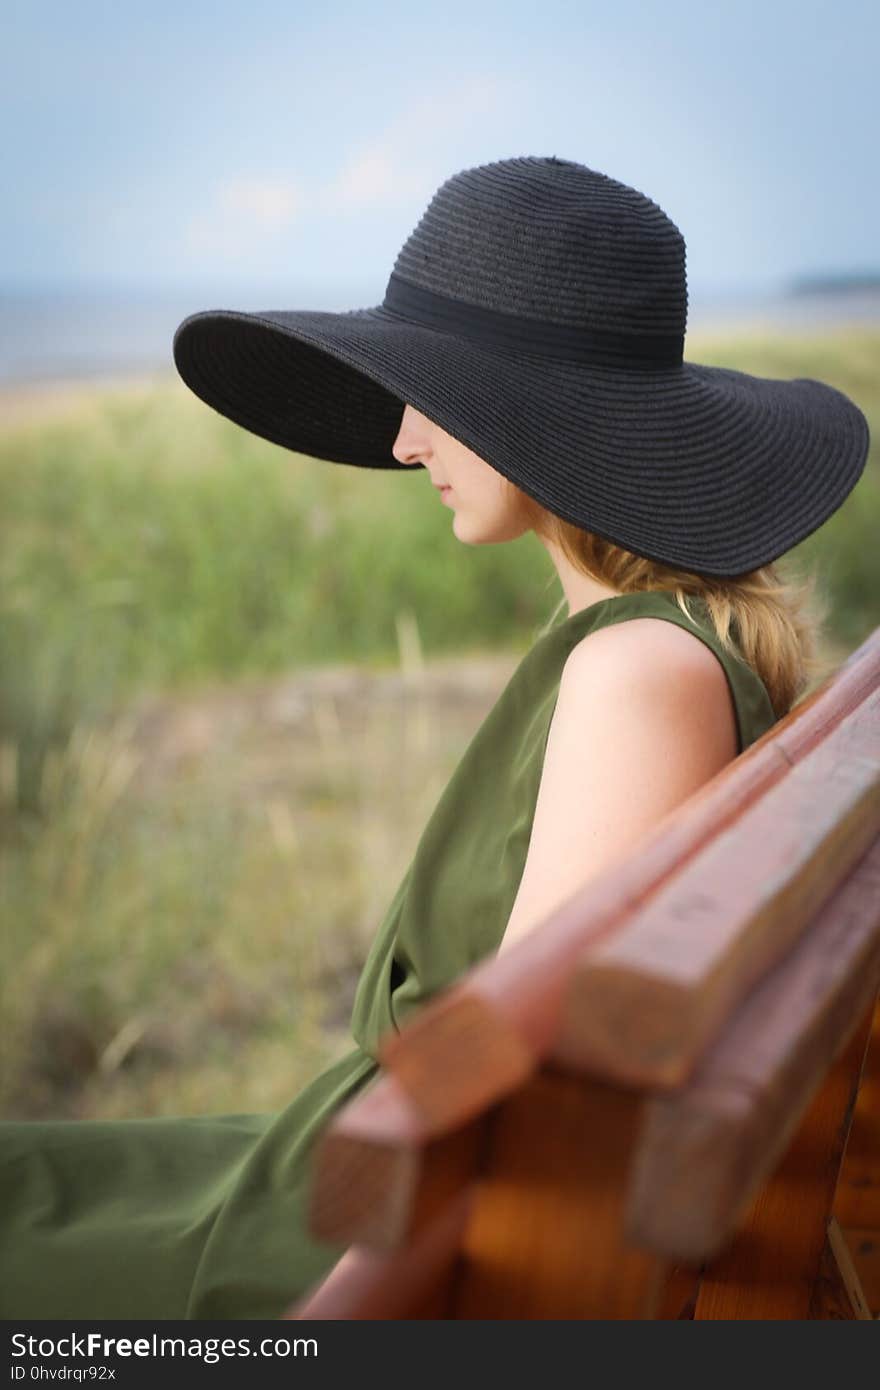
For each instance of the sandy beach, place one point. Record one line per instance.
(28, 403)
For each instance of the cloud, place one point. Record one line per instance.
(262, 201)
(369, 179)
(248, 218)
(407, 159)
(245, 216)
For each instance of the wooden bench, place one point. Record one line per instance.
(641, 1110)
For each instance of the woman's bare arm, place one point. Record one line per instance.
(644, 717)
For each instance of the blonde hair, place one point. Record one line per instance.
(774, 623)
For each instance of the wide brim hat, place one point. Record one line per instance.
(537, 314)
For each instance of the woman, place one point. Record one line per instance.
(529, 355)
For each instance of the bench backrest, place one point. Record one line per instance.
(606, 1101)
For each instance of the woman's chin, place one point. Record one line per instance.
(467, 531)
(472, 533)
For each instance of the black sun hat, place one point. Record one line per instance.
(537, 314)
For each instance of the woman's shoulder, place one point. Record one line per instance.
(657, 644)
(655, 659)
(641, 721)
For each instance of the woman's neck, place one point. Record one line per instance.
(579, 589)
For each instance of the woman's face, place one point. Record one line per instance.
(486, 507)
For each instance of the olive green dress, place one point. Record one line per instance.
(204, 1217)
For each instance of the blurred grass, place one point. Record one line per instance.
(174, 944)
(195, 548)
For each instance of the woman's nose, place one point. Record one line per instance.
(410, 445)
(410, 458)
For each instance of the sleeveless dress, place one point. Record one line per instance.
(204, 1216)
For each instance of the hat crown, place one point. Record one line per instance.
(550, 239)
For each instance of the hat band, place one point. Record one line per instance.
(490, 328)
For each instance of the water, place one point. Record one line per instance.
(805, 311)
(83, 335)
(70, 335)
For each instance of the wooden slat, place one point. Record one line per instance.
(413, 1282)
(544, 1238)
(831, 1298)
(506, 1010)
(707, 1147)
(857, 1200)
(643, 1004)
(377, 1176)
(834, 700)
(864, 1249)
(772, 1267)
(678, 1299)
(848, 1278)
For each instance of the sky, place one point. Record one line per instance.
(296, 145)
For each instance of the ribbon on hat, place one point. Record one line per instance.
(489, 327)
